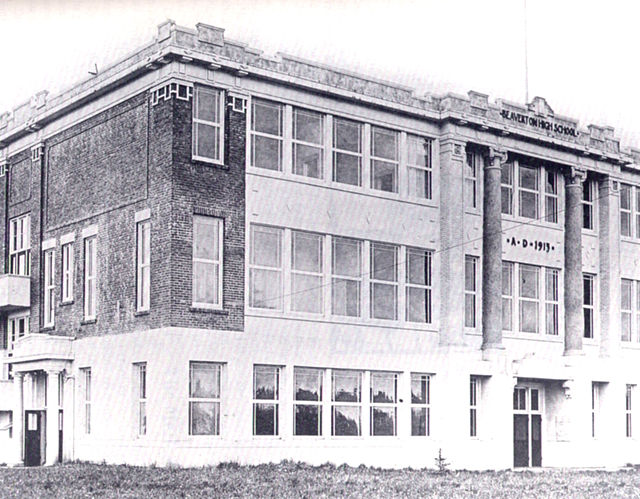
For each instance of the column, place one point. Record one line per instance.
(608, 209)
(452, 154)
(573, 299)
(492, 252)
(18, 415)
(52, 442)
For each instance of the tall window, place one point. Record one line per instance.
(265, 274)
(420, 405)
(474, 396)
(419, 167)
(470, 290)
(507, 188)
(308, 384)
(626, 308)
(20, 245)
(588, 304)
(628, 411)
(384, 160)
(308, 137)
(207, 261)
(204, 398)
(528, 191)
(588, 204)
(207, 124)
(507, 296)
(625, 210)
(551, 301)
(637, 211)
(347, 152)
(384, 281)
(471, 180)
(528, 291)
(306, 272)
(384, 399)
(266, 134)
(266, 399)
(143, 265)
(17, 327)
(67, 272)
(49, 287)
(346, 281)
(90, 276)
(595, 408)
(86, 392)
(346, 403)
(141, 397)
(551, 196)
(418, 287)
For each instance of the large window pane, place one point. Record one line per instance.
(347, 386)
(267, 117)
(267, 152)
(205, 380)
(347, 169)
(306, 293)
(205, 418)
(346, 421)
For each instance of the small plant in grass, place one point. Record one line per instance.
(442, 464)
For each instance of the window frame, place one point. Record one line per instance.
(140, 370)
(378, 282)
(627, 311)
(90, 280)
(475, 393)
(49, 287)
(589, 309)
(383, 406)
(299, 142)
(253, 133)
(421, 405)
(551, 196)
(471, 180)
(253, 267)
(628, 211)
(528, 190)
(427, 287)
(143, 265)
(525, 299)
(337, 404)
(219, 126)
(335, 150)
(272, 402)
(219, 262)
(589, 205)
(629, 411)
(216, 401)
(318, 404)
(471, 322)
(317, 275)
(86, 398)
(552, 300)
(357, 278)
(427, 170)
(508, 297)
(375, 161)
(14, 319)
(507, 186)
(20, 245)
(67, 272)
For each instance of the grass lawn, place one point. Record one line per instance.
(290, 479)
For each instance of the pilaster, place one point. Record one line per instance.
(52, 425)
(18, 416)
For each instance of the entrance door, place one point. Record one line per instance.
(527, 426)
(33, 438)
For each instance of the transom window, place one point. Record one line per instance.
(20, 245)
(208, 125)
(266, 134)
(204, 398)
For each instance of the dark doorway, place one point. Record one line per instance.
(33, 438)
(536, 440)
(60, 436)
(520, 440)
(527, 427)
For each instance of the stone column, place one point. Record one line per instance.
(608, 209)
(18, 415)
(452, 155)
(573, 292)
(492, 252)
(52, 442)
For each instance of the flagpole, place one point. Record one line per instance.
(526, 57)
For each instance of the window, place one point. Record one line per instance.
(306, 272)
(204, 398)
(418, 287)
(470, 290)
(528, 189)
(266, 135)
(384, 281)
(551, 301)
(384, 399)
(628, 411)
(265, 274)
(90, 272)
(308, 138)
(625, 210)
(346, 276)
(420, 405)
(346, 403)
(507, 188)
(308, 384)
(588, 204)
(551, 196)
(474, 396)
(141, 397)
(67, 272)
(471, 180)
(384, 160)
(85, 374)
(49, 287)
(637, 211)
(207, 125)
(528, 291)
(266, 396)
(507, 296)
(17, 327)
(588, 304)
(207, 261)
(347, 152)
(595, 408)
(20, 245)
(143, 265)
(419, 167)
(626, 308)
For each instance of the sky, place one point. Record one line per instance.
(582, 55)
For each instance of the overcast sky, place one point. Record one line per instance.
(582, 54)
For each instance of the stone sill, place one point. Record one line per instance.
(214, 311)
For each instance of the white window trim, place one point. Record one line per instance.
(49, 257)
(631, 311)
(427, 169)
(373, 281)
(140, 397)
(550, 301)
(319, 275)
(12, 319)
(395, 162)
(219, 366)
(251, 266)
(86, 387)
(475, 394)
(319, 145)
(383, 405)
(90, 280)
(537, 192)
(219, 262)
(358, 154)
(592, 306)
(421, 405)
(359, 404)
(20, 243)
(143, 262)
(219, 126)
(67, 271)
(254, 133)
(589, 186)
(473, 179)
(475, 292)
(275, 402)
(319, 404)
(428, 287)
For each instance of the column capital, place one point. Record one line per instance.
(576, 175)
(18, 375)
(453, 145)
(497, 156)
